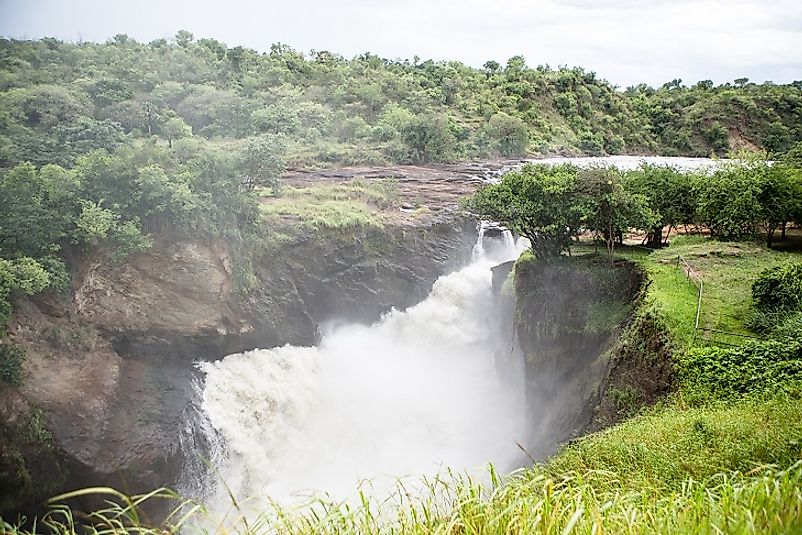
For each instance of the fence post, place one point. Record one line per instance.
(699, 304)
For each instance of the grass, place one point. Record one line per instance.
(668, 445)
(331, 205)
(764, 500)
(727, 269)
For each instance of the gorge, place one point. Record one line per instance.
(409, 354)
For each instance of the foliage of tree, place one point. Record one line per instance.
(23, 275)
(611, 209)
(779, 197)
(509, 134)
(728, 202)
(38, 208)
(60, 100)
(541, 202)
(669, 194)
(429, 139)
(550, 204)
(176, 128)
(263, 162)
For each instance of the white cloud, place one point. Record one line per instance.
(625, 41)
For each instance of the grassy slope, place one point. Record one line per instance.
(670, 445)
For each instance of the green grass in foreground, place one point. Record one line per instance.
(766, 500)
(668, 445)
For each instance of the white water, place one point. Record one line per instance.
(411, 394)
(624, 163)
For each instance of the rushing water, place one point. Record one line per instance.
(624, 163)
(417, 391)
(633, 162)
(414, 392)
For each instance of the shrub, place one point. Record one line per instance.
(57, 272)
(764, 367)
(777, 293)
(11, 358)
(791, 327)
(127, 239)
(779, 289)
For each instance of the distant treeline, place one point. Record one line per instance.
(60, 100)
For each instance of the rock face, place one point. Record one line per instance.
(569, 316)
(110, 368)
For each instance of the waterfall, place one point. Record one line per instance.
(413, 393)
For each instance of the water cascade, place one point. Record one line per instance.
(407, 396)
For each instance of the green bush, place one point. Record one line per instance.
(779, 289)
(760, 367)
(776, 294)
(11, 358)
(57, 272)
(791, 327)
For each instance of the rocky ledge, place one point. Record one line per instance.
(108, 380)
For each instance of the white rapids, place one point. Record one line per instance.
(414, 393)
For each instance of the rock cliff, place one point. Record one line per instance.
(108, 380)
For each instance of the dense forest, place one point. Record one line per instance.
(61, 100)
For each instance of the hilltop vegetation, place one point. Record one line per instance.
(61, 100)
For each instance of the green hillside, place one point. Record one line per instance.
(60, 100)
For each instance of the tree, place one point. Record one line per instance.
(94, 223)
(779, 196)
(670, 196)
(24, 275)
(492, 67)
(38, 209)
(262, 161)
(176, 128)
(183, 38)
(611, 209)
(428, 139)
(728, 201)
(162, 199)
(510, 134)
(540, 202)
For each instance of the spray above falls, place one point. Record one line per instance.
(407, 396)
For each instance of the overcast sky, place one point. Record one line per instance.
(624, 41)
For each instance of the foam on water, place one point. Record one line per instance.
(417, 391)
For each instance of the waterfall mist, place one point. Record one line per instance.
(417, 391)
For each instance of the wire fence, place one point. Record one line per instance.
(710, 335)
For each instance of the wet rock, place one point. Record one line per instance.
(112, 369)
